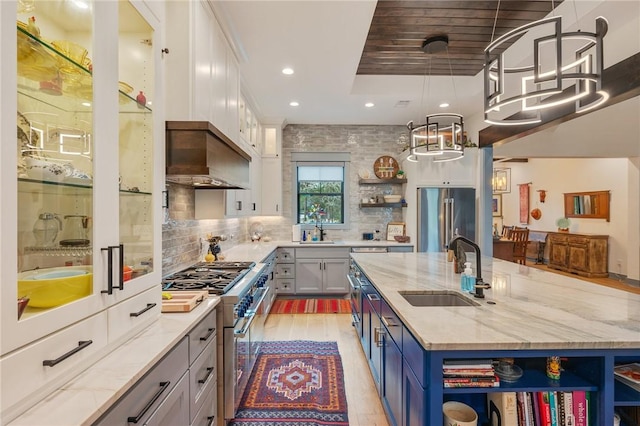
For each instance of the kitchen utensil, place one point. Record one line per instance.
(46, 228)
(74, 232)
(49, 287)
(183, 301)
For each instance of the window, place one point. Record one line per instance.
(321, 189)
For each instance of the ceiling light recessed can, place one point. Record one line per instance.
(444, 105)
(294, 104)
(369, 104)
(287, 71)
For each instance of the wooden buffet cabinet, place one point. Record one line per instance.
(581, 254)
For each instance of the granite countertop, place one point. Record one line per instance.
(87, 396)
(534, 309)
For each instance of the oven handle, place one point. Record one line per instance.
(262, 297)
(352, 284)
(247, 324)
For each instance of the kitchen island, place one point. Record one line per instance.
(528, 314)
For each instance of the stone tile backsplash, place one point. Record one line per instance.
(182, 236)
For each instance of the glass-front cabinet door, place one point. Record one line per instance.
(79, 226)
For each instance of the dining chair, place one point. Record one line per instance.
(506, 232)
(520, 238)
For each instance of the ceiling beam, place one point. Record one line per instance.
(621, 81)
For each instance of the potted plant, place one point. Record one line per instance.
(563, 224)
(400, 174)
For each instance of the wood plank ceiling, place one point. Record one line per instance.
(399, 29)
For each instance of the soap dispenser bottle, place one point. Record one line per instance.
(467, 281)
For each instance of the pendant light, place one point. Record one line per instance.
(442, 136)
(566, 68)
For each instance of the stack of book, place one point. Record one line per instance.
(469, 373)
(629, 374)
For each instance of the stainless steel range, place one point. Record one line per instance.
(245, 298)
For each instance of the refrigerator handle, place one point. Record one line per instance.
(447, 223)
(452, 209)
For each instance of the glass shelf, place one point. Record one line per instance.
(61, 251)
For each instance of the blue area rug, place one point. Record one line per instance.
(295, 383)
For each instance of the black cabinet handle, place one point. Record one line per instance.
(137, 314)
(121, 248)
(210, 332)
(209, 371)
(210, 420)
(81, 345)
(163, 387)
(109, 251)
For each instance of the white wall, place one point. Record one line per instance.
(558, 176)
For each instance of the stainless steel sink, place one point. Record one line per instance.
(437, 298)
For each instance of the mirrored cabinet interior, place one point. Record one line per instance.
(80, 231)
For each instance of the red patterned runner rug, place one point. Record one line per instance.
(311, 306)
(295, 383)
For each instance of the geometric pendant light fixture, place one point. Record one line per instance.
(442, 135)
(566, 68)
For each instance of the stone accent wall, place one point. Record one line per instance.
(182, 236)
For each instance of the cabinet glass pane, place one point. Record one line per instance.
(55, 152)
(135, 70)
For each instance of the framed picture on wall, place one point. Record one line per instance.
(395, 228)
(496, 205)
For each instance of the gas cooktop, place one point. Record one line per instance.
(217, 277)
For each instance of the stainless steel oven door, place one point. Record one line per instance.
(257, 328)
(237, 344)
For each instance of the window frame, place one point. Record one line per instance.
(315, 159)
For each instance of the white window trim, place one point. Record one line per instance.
(320, 159)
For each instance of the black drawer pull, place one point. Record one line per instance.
(136, 419)
(209, 371)
(210, 420)
(137, 314)
(210, 332)
(81, 345)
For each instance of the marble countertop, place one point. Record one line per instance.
(257, 251)
(90, 394)
(533, 309)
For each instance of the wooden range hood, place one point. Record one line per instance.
(199, 154)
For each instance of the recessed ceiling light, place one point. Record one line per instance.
(444, 105)
(287, 71)
(87, 104)
(293, 104)
(80, 4)
(369, 104)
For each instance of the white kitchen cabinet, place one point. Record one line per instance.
(202, 72)
(89, 152)
(322, 271)
(246, 202)
(460, 172)
(272, 170)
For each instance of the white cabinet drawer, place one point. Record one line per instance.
(174, 409)
(201, 335)
(146, 396)
(287, 270)
(286, 255)
(286, 286)
(202, 377)
(133, 314)
(25, 378)
(206, 416)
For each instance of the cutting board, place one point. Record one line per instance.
(183, 301)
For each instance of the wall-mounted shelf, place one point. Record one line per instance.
(587, 205)
(382, 181)
(393, 205)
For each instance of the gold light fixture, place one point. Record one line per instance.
(567, 68)
(501, 181)
(442, 136)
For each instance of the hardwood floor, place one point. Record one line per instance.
(364, 405)
(609, 282)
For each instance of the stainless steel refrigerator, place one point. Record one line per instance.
(441, 213)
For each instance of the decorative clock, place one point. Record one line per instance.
(386, 167)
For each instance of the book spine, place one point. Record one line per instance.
(469, 379)
(561, 411)
(568, 409)
(553, 407)
(580, 408)
(545, 409)
(522, 412)
(473, 385)
(536, 408)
